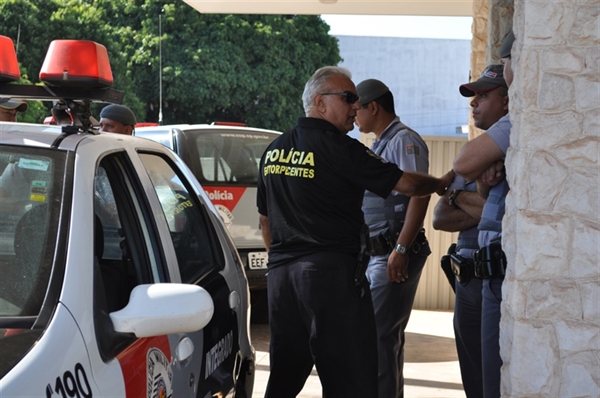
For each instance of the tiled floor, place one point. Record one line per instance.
(430, 364)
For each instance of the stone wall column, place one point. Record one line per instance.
(492, 20)
(478, 49)
(550, 326)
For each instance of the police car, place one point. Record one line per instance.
(224, 157)
(118, 277)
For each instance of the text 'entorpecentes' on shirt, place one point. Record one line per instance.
(311, 185)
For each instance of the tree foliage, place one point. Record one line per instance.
(245, 68)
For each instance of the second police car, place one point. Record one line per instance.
(118, 277)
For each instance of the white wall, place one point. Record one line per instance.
(423, 74)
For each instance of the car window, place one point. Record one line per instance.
(126, 245)
(31, 181)
(230, 157)
(194, 237)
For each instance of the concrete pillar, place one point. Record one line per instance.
(492, 20)
(550, 326)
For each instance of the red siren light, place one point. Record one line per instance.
(235, 124)
(9, 67)
(80, 63)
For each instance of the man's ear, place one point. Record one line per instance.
(319, 103)
(373, 108)
(505, 102)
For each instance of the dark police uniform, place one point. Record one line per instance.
(490, 228)
(311, 185)
(467, 306)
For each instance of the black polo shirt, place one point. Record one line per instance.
(311, 186)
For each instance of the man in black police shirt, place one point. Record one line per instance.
(310, 189)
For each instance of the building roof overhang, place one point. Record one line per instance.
(317, 7)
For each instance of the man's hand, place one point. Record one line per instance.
(445, 181)
(397, 268)
(493, 174)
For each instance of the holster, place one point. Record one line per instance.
(490, 261)
(447, 267)
(383, 242)
(363, 258)
(462, 268)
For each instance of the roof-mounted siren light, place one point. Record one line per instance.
(80, 63)
(9, 67)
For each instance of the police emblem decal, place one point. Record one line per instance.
(160, 374)
(225, 214)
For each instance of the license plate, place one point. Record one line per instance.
(257, 260)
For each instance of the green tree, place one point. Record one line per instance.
(245, 68)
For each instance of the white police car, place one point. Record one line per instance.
(224, 157)
(117, 276)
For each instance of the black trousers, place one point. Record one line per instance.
(318, 317)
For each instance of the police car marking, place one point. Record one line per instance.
(71, 385)
(218, 353)
(160, 374)
(226, 215)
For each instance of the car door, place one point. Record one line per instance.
(129, 251)
(200, 258)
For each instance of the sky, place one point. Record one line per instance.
(400, 26)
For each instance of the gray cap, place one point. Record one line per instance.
(120, 113)
(507, 45)
(20, 106)
(491, 78)
(369, 90)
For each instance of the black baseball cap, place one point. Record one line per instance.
(369, 90)
(491, 78)
(8, 103)
(120, 113)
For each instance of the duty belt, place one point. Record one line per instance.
(490, 261)
(384, 242)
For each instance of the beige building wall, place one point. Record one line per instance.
(550, 326)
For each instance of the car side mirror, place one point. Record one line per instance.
(164, 308)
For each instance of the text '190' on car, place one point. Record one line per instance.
(117, 275)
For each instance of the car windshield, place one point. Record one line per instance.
(229, 157)
(30, 179)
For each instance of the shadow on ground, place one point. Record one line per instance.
(418, 348)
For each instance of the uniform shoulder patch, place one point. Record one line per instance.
(413, 150)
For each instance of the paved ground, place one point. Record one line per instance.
(430, 367)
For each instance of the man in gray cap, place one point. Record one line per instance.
(117, 119)
(399, 248)
(9, 109)
(482, 159)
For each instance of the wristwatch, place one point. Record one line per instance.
(401, 249)
(452, 197)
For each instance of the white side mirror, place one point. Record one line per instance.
(164, 308)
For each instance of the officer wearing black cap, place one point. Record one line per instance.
(482, 159)
(9, 109)
(398, 243)
(117, 119)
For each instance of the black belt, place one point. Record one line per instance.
(490, 261)
(384, 242)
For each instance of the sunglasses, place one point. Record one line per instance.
(350, 97)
